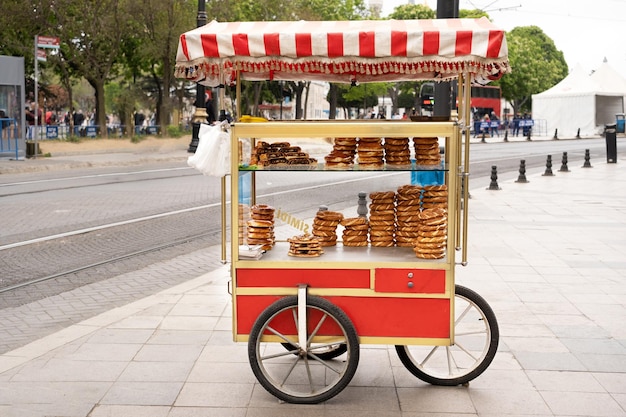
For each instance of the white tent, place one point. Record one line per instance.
(579, 101)
(610, 81)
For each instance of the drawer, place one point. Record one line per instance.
(378, 316)
(314, 278)
(431, 281)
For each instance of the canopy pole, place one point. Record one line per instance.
(459, 169)
(238, 92)
(467, 91)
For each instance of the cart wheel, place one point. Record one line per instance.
(476, 337)
(293, 375)
(326, 354)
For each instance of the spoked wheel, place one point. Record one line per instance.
(303, 374)
(476, 337)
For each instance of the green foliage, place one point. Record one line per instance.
(287, 10)
(175, 131)
(472, 14)
(536, 66)
(130, 60)
(406, 100)
(74, 139)
(412, 11)
(360, 97)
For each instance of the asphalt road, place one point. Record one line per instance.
(132, 216)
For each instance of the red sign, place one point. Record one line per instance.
(41, 55)
(48, 42)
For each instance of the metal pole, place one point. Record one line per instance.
(445, 9)
(36, 99)
(200, 114)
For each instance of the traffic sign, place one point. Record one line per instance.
(48, 42)
(41, 55)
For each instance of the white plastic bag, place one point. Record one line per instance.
(212, 155)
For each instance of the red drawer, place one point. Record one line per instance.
(371, 316)
(432, 281)
(314, 278)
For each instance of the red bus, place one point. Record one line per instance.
(484, 99)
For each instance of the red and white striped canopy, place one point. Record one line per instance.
(343, 51)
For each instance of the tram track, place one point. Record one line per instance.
(107, 261)
(70, 183)
(79, 257)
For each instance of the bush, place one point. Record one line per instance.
(175, 131)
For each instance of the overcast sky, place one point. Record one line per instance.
(586, 31)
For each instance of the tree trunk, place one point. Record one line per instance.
(332, 96)
(299, 87)
(163, 103)
(257, 96)
(393, 94)
(101, 117)
(306, 98)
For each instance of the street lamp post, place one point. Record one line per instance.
(445, 9)
(200, 114)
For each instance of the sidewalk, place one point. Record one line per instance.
(97, 153)
(547, 255)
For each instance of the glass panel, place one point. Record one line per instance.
(10, 115)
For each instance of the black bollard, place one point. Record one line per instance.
(494, 178)
(587, 164)
(528, 137)
(482, 140)
(522, 172)
(564, 167)
(578, 134)
(548, 172)
(556, 136)
(506, 135)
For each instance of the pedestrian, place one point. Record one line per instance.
(516, 120)
(4, 124)
(30, 120)
(224, 115)
(476, 125)
(494, 124)
(526, 127)
(484, 127)
(139, 119)
(79, 119)
(210, 112)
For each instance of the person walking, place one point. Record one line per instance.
(516, 120)
(494, 124)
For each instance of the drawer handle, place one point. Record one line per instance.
(410, 275)
(410, 285)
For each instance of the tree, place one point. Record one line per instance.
(151, 44)
(288, 10)
(407, 12)
(412, 11)
(536, 66)
(92, 33)
(472, 14)
(358, 97)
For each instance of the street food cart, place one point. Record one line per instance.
(309, 284)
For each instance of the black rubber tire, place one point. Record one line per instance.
(426, 363)
(274, 370)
